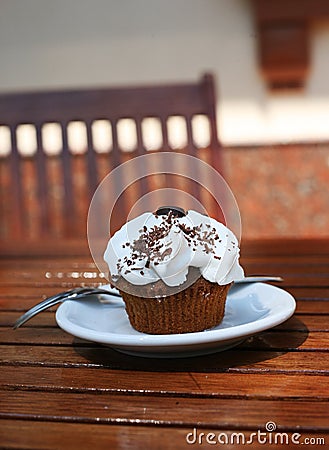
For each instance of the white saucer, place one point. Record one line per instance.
(250, 308)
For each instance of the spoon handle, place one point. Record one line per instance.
(36, 309)
(258, 279)
(76, 293)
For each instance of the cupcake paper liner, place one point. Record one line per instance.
(198, 307)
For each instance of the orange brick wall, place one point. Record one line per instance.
(280, 190)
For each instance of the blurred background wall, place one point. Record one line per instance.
(275, 144)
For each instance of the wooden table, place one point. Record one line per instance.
(61, 392)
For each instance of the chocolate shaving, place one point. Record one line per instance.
(148, 247)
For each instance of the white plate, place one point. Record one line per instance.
(249, 309)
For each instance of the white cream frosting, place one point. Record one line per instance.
(153, 247)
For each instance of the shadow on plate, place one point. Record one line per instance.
(261, 348)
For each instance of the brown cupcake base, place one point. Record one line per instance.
(196, 308)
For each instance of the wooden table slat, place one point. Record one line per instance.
(211, 384)
(278, 341)
(178, 411)
(251, 361)
(103, 436)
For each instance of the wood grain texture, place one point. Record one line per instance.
(277, 341)
(191, 384)
(147, 410)
(51, 435)
(238, 360)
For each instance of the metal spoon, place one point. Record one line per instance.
(83, 293)
(80, 293)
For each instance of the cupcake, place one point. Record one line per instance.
(173, 270)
